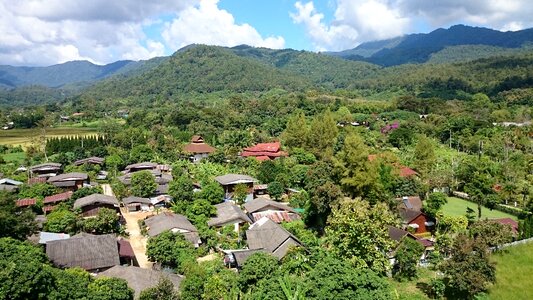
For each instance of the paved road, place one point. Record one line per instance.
(137, 240)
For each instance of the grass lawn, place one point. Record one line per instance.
(514, 270)
(411, 290)
(16, 158)
(457, 207)
(24, 137)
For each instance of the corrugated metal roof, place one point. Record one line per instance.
(26, 202)
(58, 197)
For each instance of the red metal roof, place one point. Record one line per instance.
(407, 172)
(276, 216)
(264, 147)
(125, 249)
(508, 221)
(26, 202)
(49, 208)
(58, 197)
(35, 180)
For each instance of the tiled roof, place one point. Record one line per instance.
(26, 202)
(198, 148)
(407, 172)
(264, 147)
(49, 208)
(58, 197)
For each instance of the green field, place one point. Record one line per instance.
(24, 137)
(513, 273)
(16, 158)
(457, 207)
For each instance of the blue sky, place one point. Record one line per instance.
(38, 32)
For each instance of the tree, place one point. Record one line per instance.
(258, 266)
(469, 270)
(170, 249)
(358, 232)
(164, 290)
(212, 192)
(295, 134)
(104, 288)
(13, 223)
(359, 175)
(70, 284)
(434, 203)
(333, 278)
(240, 193)
(275, 190)
(39, 190)
(181, 188)
(491, 233)
(61, 220)
(143, 184)
(320, 204)
(322, 134)
(106, 221)
(25, 271)
(424, 156)
(407, 257)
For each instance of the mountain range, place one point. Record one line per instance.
(376, 65)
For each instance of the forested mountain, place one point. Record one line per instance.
(73, 72)
(419, 48)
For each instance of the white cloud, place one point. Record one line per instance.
(205, 23)
(357, 21)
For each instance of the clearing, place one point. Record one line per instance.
(514, 268)
(24, 137)
(457, 207)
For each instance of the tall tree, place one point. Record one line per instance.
(295, 134)
(14, 223)
(143, 184)
(359, 175)
(358, 232)
(322, 134)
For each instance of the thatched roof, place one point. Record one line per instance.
(140, 279)
(95, 199)
(86, 251)
(268, 235)
(133, 199)
(234, 179)
(173, 222)
(74, 176)
(228, 213)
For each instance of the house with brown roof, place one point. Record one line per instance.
(140, 167)
(26, 202)
(94, 253)
(229, 214)
(70, 181)
(198, 149)
(50, 201)
(140, 279)
(268, 235)
(90, 205)
(276, 211)
(229, 181)
(417, 220)
(93, 160)
(133, 203)
(175, 223)
(398, 235)
(264, 151)
(48, 169)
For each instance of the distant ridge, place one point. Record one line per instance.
(419, 48)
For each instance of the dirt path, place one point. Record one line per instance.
(137, 240)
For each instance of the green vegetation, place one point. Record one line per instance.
(457, 207)
(513, 273)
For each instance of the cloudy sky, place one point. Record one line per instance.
(45, 32)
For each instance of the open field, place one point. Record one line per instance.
(457, 207)
(24, 137)
(16, 158)
(513, 273)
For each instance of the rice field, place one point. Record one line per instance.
(25, 137)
